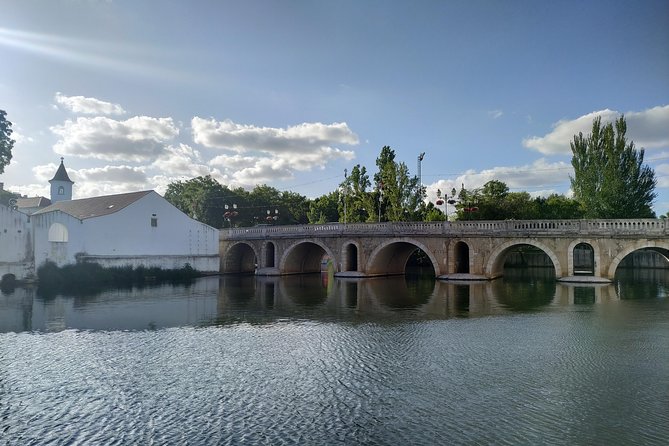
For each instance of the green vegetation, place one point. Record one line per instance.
(610, 180)
(89, 278)
(205, 199)
(6, 142)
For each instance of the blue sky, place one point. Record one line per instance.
(135, 94)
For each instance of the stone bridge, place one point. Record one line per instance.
(579, 250)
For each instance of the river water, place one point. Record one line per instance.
(312, 360)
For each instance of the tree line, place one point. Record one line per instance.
(610, 180)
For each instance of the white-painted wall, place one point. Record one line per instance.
(128, 234)
(16, 247)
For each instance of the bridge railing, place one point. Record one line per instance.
(452, 229)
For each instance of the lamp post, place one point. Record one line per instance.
(344, 191)
(420, 174)
(230, 212)
(271, 217)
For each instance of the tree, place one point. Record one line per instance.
(403, 196)
(610, 180)
(324, 209)
(356, 201)
(6, 142)
(201, 198)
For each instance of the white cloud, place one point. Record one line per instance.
(91, 106)
(662, 175)
(181, 160)
(495, 114)
(264, 170)
(297, 140)
(648, 129)
(265, 154)
(137, 139)
(539, 179)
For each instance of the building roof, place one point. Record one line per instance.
(32, 202)
(61, 174)
(96, 206)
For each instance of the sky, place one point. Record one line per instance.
(135, 95)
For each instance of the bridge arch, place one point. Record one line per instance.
(390, 257)
(240, 257)
(304, 256)
(495, 263)
(662, 248)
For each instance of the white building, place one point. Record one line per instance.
(137, 228)
(16, 245)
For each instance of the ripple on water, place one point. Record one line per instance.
(521, 379)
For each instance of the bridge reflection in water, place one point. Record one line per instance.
(576, 250)
(254, 299)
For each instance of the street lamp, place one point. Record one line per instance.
(439, 202)
(344, 190)
(230, 212)
(271, 217)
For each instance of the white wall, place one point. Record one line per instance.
(16, 244)
(128, 233)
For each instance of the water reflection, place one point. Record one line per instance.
(258, 300)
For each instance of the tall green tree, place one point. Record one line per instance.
(402, 198)
(355, 200)
(6, 142)
(610, 179)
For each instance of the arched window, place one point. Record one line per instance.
(58, 233)
(61, 190)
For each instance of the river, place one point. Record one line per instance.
(313, 360)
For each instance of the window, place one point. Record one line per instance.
(154, 221)
(61, 190)
(58, 233)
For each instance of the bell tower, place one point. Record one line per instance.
(61, 185)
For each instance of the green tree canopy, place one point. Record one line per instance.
(6, 142)
(205, 199)
(494, 202)
(610, 180)
(403, 196)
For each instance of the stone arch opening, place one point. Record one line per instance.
(304, 257)
(583, 256)
(461, 258)
(519, 255)
(350, 257)
(640, 259)
(392, 258)
(240, 258)
(270, 252)
(58, 233)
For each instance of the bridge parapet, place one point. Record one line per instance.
(636, 227)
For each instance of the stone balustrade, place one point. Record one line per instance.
(501, 228)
